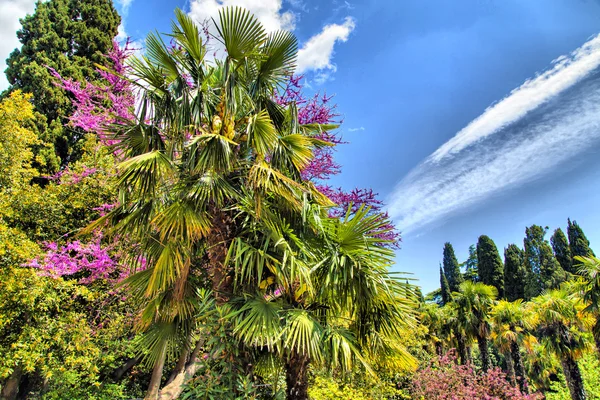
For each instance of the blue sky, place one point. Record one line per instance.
(468, 117)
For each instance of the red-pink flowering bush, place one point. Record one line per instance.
(97, 105)
(444, 379)
(318, 109)
(88, 261)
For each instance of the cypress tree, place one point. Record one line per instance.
(489, 264)
(562, 252)
(543, 270)
(445, 288)
(70, 36)
(514, 273)
(578, 243)
(451, 268)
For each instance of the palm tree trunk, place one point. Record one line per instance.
(573, 377)
(10, 389)
(157, 372)
(218, 244)
(519, 367)
(484, 352)
(510, 368)
(296, 376)
(462, 349)
(439, 349)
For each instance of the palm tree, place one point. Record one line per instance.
(211, 183)
(348, 310)
(561, 331)
(510, 327)
(434, 318)
(589, 269)
(474, 302)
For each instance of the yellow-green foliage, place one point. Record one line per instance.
(326, 388)
(16, 140)
(65, 205)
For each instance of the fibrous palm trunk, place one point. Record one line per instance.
(573, 377)
(519, 367)
(218, 242)
(484, 352)
(510, 368)
(462, 349)
(296, 376)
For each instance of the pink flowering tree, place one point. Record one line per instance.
(319, 109)
(86, 261)
(98, 105)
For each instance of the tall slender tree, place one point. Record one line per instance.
(514, 273)
(452, 268)
(578, 243)
(543, 270)
(445, 288)
(470, 265)
(562, 251)
(489, 264)
(69, 36)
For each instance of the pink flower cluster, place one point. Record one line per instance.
(319, 110)
(99, 105)
(88, 261)
(444, 379)
(66, 176)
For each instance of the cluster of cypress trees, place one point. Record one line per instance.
(526, 272)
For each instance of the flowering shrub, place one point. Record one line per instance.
(444, 379)
(91, 260)
(99, 105)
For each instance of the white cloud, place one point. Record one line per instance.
(362, 128)
(566, 72)
(521, 138)
(10, 13)
(123, 8)
(268, 12)
(317, 53)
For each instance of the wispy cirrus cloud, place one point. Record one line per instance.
(362, 128)
(548, 120)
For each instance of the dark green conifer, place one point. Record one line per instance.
(578, 243)
(445, 288)
(451, 268)
(489, 264)
(543, 270)
(70, 36)
(471, 273)
(562, 252)
(514, 273)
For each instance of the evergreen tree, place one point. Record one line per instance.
(471, 272)
(69, 36)
(578, 243)
(514, 273)
(489, 263)
(543, 270)
(562, 252)
(451, 268)
(445, 288)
